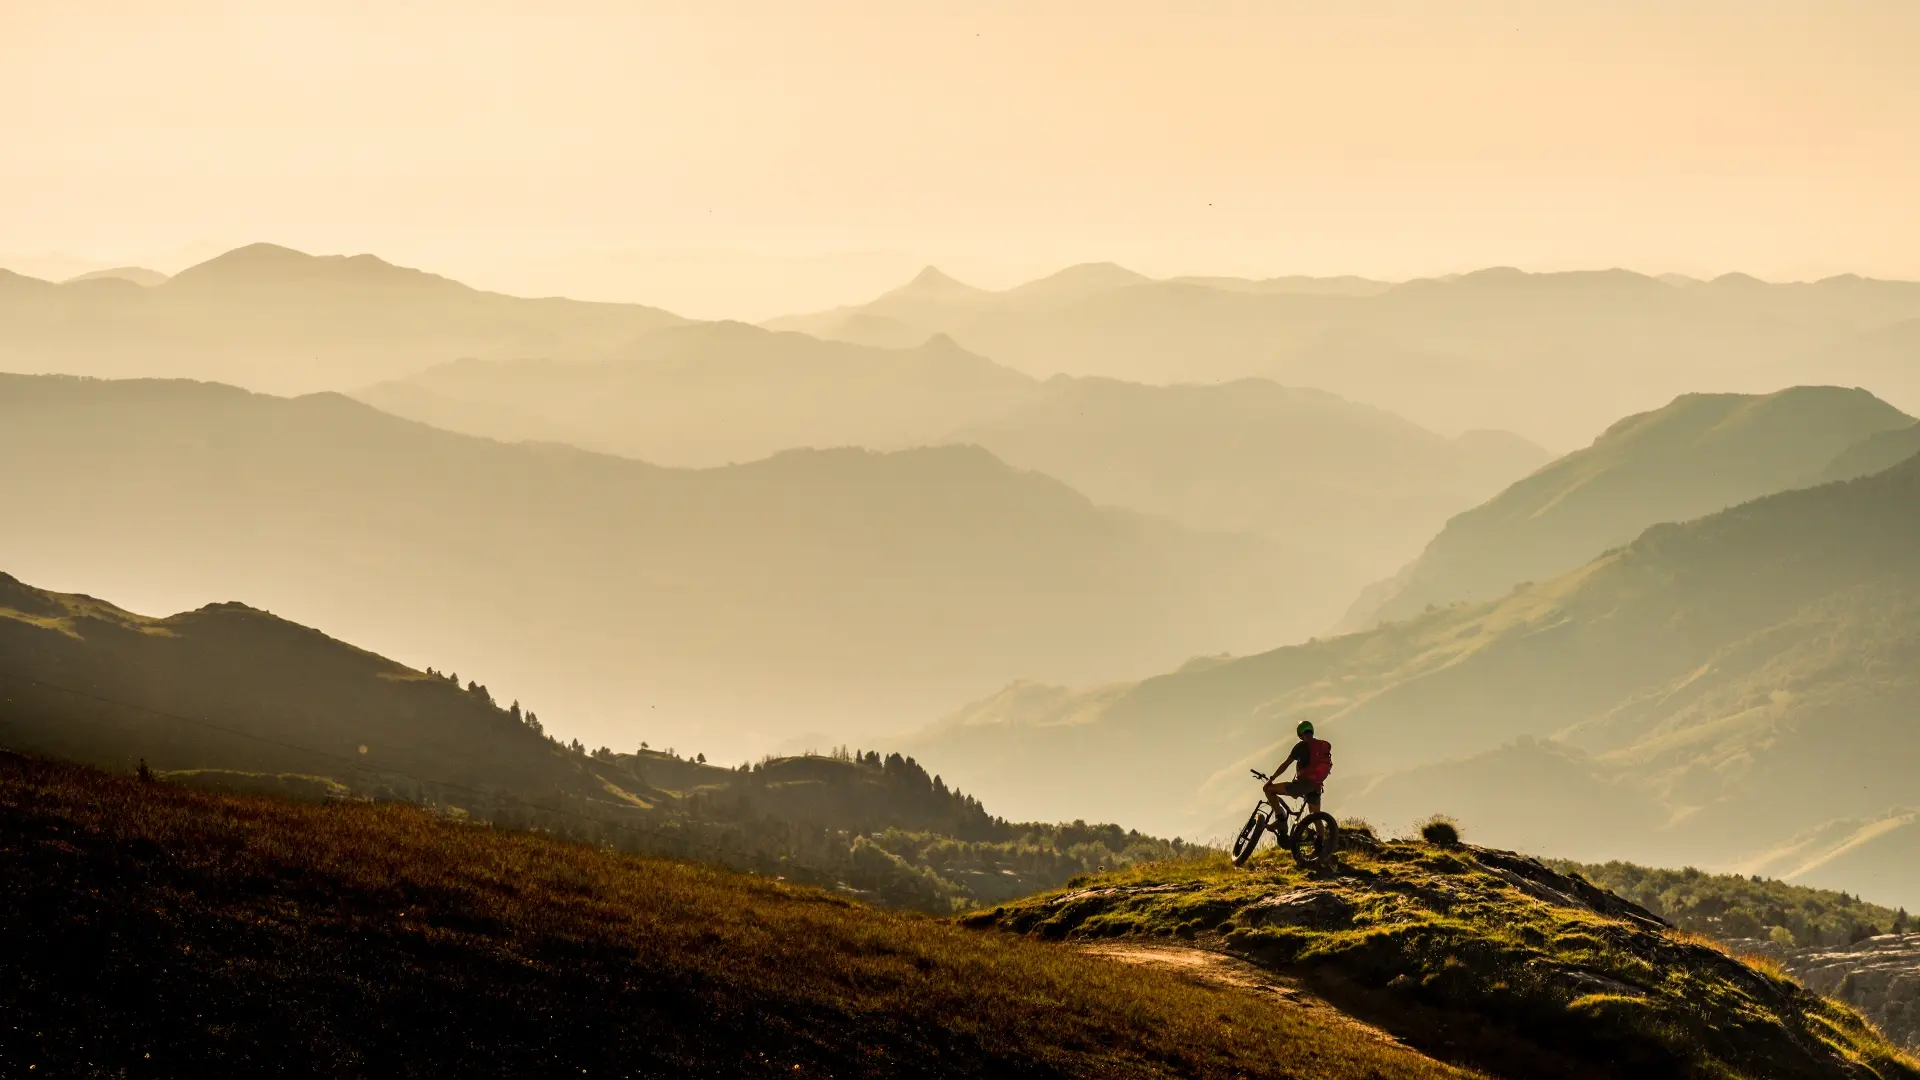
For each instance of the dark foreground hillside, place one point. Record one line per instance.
(150, 930)
(231, 698)
(1485, 958)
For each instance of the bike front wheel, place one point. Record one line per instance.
(1249, 837)
(1316, 840)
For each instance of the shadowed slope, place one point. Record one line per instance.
(170, 933)
(260, 695)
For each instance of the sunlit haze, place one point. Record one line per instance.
(941, 539)
(746, 159)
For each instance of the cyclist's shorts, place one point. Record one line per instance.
(1302, 789)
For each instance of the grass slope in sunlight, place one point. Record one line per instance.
(1486, 958)
(151, 930)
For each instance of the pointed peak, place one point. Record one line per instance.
(932, 281)
(931, 275)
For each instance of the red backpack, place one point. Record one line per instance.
(1319, 761)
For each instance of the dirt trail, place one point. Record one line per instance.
(1219, 969)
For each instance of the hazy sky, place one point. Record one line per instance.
(521, 144)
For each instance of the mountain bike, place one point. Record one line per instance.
(1314, 838)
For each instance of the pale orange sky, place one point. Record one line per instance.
(524, 145)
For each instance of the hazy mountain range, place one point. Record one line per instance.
(275, 319)
(1555, 357)
(1709, 693)
(1191, 499)
(1360, 486)
(844, 590)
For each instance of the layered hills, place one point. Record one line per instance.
(1699, 454)
(713, 393)
(719, 610)
(1348, 480)
(272, 318)
(1717, 692)
(1362, 487)
(1554, 357)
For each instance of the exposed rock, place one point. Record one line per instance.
(1880, 976)
(1535, 879)
(1301, 907)
(1137, 890)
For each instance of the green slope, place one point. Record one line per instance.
(1700, 695)
(1702, 453)
(1481, 958)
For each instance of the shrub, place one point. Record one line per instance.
(1440, 830)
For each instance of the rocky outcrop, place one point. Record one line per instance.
(1880, 976)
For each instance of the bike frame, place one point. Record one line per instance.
(1291, 814)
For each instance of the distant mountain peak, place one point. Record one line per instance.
(932, 281)
(263, 262)
(139, 275)
(1082, 279)
(258, 255)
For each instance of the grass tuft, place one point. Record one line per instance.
(1439, 830)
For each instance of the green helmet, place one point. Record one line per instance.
(1305, 730)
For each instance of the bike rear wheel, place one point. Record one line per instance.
(1250, 834)
(1316, 840)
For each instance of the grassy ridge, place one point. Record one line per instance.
(1485, 958)
(149, 930)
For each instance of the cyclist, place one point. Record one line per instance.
(1314, 760)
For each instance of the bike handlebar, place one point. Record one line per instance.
(1258, 774)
